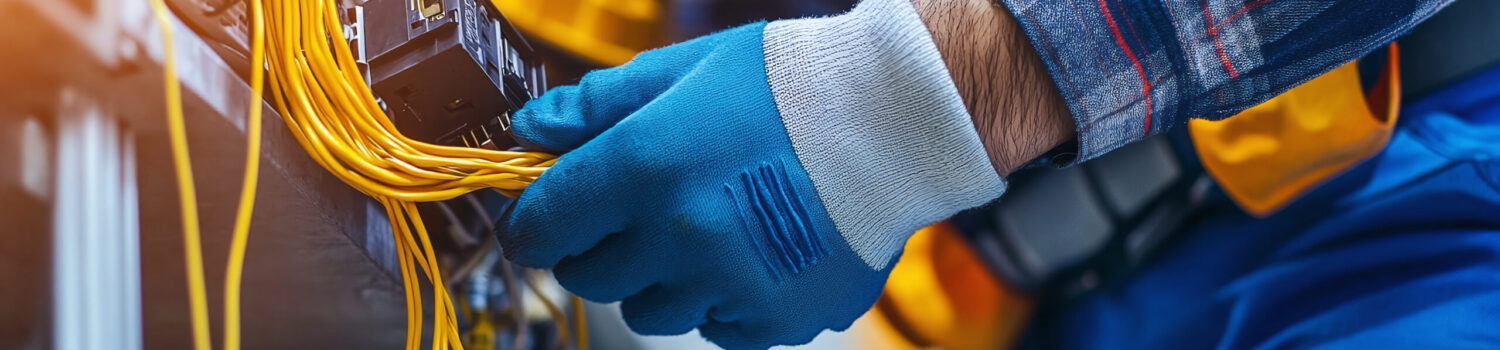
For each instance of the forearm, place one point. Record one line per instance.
(1130, 69)
(1016, 108)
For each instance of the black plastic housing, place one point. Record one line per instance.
(450, 71)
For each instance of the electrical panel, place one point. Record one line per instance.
(448, 71)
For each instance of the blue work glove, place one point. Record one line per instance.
(757, 183)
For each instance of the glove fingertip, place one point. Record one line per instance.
(526, 244)
(740, 335)
(526, 236)
(664, 310)
(729, 335)
(567, 211)
(553, 122)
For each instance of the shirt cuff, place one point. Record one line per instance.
(1116, 95)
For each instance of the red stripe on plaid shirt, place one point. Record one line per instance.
(1240, 13)
(1120, 40)
(1213, 32)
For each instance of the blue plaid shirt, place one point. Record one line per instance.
(1129, 69)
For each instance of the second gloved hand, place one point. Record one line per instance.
(756, 184)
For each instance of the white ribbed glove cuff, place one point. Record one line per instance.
(876, 121)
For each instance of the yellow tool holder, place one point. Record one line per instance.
(1268, 156)
(602, 32)
(941, 295)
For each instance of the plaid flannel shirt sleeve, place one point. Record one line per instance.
(1129, 69)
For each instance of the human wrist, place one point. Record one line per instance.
(1016, 108)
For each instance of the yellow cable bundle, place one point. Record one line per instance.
(329, 108)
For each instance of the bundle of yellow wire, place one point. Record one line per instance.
(328, 107)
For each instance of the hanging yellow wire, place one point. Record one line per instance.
(187, 195)
(559, 320)
(239, 240)
(580, 325)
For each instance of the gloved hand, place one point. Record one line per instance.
(757, 183)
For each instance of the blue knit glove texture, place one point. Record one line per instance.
(680, 195)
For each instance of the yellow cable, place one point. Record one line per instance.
(241, 234)
(408, 279)
(187, 196)
(580, 324)
(559, 319)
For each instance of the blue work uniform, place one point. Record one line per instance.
(1401, 252)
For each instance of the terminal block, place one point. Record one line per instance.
(448, 71)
